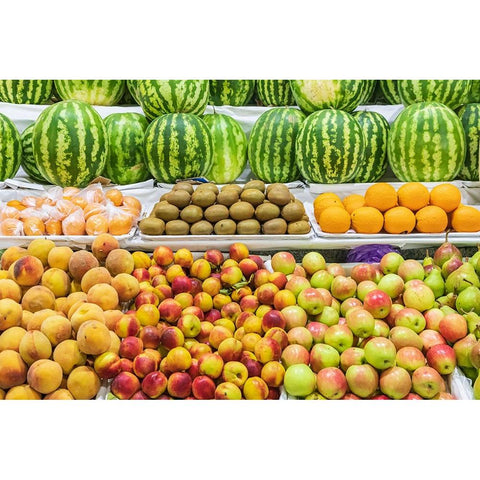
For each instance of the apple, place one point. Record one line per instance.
(453, 327)
(391, 284)
(321, 279)
(255, 389)
(339, 337)
(364, 287)
(410, 358)
(427, 382)
(300, 336)
(273, 318)
(378, 303)
(380, 352)
(336, 269)
(390, 318)
(362, 380)
(410, 318)
(432, 318)
(279, 279)
(350, 396)
(329, 316)
(283, 262)
(419, 297)
(360, 322)
(273, 374)
(312, 262)
(381, 329)
(311, 300)
(266, 293)
(349, 304)
(390, 262)
(343, 287)
(395, 382)
(295, 354)
(430, 338)
(323, 356)
(405, 337)
(351, 356)
(235, 372)
(410, 270)
(331, 383)
(296, 284)
(299, 380)
(442, 358)
(294, 316)
(317, 330)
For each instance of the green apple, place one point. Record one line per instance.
(299, 380)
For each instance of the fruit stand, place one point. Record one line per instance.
(198, 242)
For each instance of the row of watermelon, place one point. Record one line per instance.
(191, 96)
(70, 145)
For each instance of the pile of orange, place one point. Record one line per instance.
(71, 211)
(410, 208)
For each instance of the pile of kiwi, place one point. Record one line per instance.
(249, 210)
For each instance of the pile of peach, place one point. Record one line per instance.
(70, 211)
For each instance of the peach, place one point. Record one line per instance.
(72, 299)
(183, 257)
(83, 383)
(230, 349)
(262, 310)
(103, 245)
(249, 341)
(143, 364)
(170, 310)
(127, 287)
(154, 384)
(10, 289)
(142, 275)
(107, 365)
(57, 329)
(26, 271)
(80, 263)
(75, 286)
(58, 257)
(279, 335)
(34, 346)
(253, 324)
(200, 269)
(125, 385)
(22, 392)
(163, 256)
(179, 385)
(94, 276)
(59, 394)
(141, 260)
(111, 318)
(220, 300)
(11, 255)
(173, 272)
(218, 334)
(104, 295)
(127, 325)
(36, 319)
(185, 299)
(93, 338)
(155, 355)
(38, 298)
(119, 261)
(10, 314)
(205, 329)
(26, 317)
(13, 370)
(68, 355)
(212, 286)
(238, 251)
(60, 303)
(172, 337)
(148, 315)
(130, 347)
(86, 312)
(114, 342)
(57, 281)
(45, 376)
(40, 248)
(10, 339)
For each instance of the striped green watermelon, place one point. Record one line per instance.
(94, 92)
(25, 91)
(125, 161)
(132, 90)
(470, 117)
(276, 93)
(70, 143)
(475, 92)
(231, 92)
(375, 129)
(271, 146)
(10, 148)
(426, 144)
(451, 93)
(390, 91)
(229, 148)
(330, 144)
(158, 97)
(369, 88)
(28, 162)
(178, 146)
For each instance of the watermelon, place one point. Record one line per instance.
(389, 89)
(231, 92)
(426, 144)
(451, 93)
(276, 93)
(475, 92)
(330, 144)
(178, 146)
(375, 130)
(10, 148)
(157, 97)
(313, 95)
(229, 148)
(28, 162)
(70, 143)
(271, 146)
(25, 91)
(125, 161)
(369, 88)
(94, 92)
(132, 90)
(470, 117)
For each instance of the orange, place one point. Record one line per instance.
(74, 224)
(11, 226)
(353, 201)
(10, 212)
(367, 220)
(324, 200)
(381, 196)
(132, 202)
(399, 220)
(16, 204)
(93, 209)
(334, 219)
(79, 201)
(96, 224)
(33, 226)
(466, 219)
(446, 196)
(70, 191)
(413, 195)
(115, 196)
(29, 201)
(431, 219)
(53, 227)
(65, 208)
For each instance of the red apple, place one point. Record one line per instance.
(453, 327)
(427, 382)
(295, 354)
(410, 358)
(363, 271)
(331, 383)
(362, 380)
(378, 303)
(395, 382)
(442, 358)
(317, 330)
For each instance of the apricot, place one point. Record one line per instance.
(104, 295)
(26, 316)
(37, 318)
(22, 392)
(94, 276)
(75, 286)
(10, 339)
(60, 304)
(72, 299)
(10, 289)
(114, 342)
(57, 329)
(93, 338)
(80, 263)
(83, 383)
(59, 257)
(103, 245)
(40, 248)
(11, 255)
(126, 286)
(111, 318)
(120, 261)
(10, 314)
(34, 346)
(86, 312)
(57, 281)
(26, 271)
(60, 394)
(45, 376)
(38, 298)
(141, 260)
(13, 370)
(68, 355)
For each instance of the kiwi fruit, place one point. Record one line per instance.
(225, 227)
(208, 186)
(267, 211)
(201, 228)
(177, 227)
(279, 195)
(277, 226)
(152, 226)
(188, 187)
(179, 198)
(232, 186)
(256, 184)
(298, 228)
(293, 211)
(191, 214)
(241, 211)
(227, 197)
(253, 196)
(166, 211)
(204, 197)
(163, 198)
(275, 185)
(215, 213)
(248, 227)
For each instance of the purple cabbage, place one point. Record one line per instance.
(371, 253)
